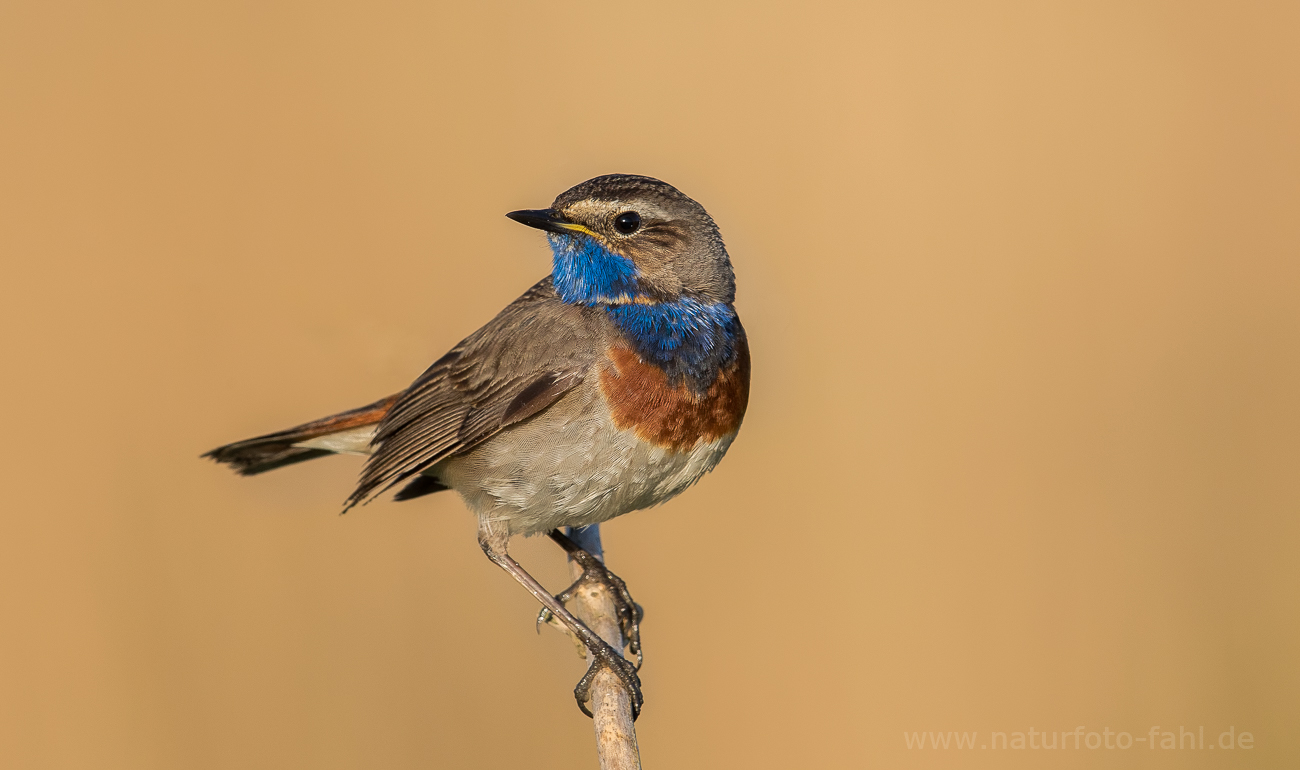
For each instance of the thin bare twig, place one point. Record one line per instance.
(610, 705)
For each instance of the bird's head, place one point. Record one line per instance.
(623, 239)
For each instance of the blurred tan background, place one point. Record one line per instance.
(1023, 449)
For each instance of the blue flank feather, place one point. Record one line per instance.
(690, 340)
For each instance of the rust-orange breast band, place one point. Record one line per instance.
(671, 416)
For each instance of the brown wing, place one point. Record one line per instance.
(520, 363)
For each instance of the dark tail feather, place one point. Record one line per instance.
(257, 455)
(423, 485)
(274, 450)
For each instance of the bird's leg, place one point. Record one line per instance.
(601, 654)
(594, 571)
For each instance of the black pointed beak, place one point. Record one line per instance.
(549, 220)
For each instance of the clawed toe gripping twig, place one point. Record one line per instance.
(594, 572)
(606, 657)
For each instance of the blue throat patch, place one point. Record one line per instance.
(688, 339)
(585, 273)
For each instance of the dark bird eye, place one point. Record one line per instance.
(627, 222)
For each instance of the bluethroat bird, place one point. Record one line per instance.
(611, 385)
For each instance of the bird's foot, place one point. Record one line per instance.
(606, 658)
(595, 573)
